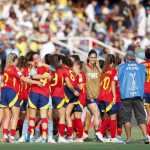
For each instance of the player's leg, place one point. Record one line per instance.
(87, 123)
(78, 113)
(15, 116)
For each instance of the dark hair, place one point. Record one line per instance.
(101, 63)
(29, 55)
(92, 52)
(75, 57)
(110, 59)
(147, 53)
(117, 61)
(53, 60)
(48, 59)
(80, 64)
(22, 62)
(67, 61)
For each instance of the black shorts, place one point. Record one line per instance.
(138, 108)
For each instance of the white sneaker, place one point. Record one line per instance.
(114, 140)
(51, 140)
(85, 135)
(99, 136)
(106, 140)
(79, 140)
(62, 140)
(38, 140)
(22, 140)
(70, 140)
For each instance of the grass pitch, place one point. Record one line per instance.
(135, 145)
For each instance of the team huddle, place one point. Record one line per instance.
(43, 98)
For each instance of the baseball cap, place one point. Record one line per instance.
(130, 56)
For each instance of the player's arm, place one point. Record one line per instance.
(69, 85)
(113, 87)
(30, 81)
(46, 66)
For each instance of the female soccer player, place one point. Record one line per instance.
(109, 98)
(10, 102)
(77, 69)
(147, 88)
(93, 72)
(39, 98)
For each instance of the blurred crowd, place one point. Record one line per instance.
(30, 24)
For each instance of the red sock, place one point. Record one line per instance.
(44, 131)
(113, 128)
(119, 131)
(13, 132)
(148, 129)
(74, 124)
(5, 131)
(31, 128)
(86, 131)
(61, 129)
(79, 128)
(104, 125)
(20, 124)
(70, 131)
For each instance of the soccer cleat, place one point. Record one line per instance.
(43, 140)
(127, 141)
(62, 140)
(22, 140)
(146, 140)
(5, 140)
(31, 140)
(70, 140)
(120, 139)
(114, 140)
(99, 136)
(51, 140)
(106, 139)
(38, 140)
(79, 140)
(85, 136)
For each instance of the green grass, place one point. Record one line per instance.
(136, 145)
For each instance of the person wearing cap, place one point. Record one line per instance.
(131, 77)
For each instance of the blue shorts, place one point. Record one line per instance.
(107, 107)
(38, 101)
(23, 105)
(88, 102)
(147, 99)
(58, 102)
(9, 98)
(78, 108)
(70, 97)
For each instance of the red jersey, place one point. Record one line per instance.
(44, 90)
(115, 73)
(57, 83)
(105, 87)
(82, 97)
(147, 82)
(73, 79)
(12, 77)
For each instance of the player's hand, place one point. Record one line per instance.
(76, 93)
(48, 76)
(148, 119)
(97, 64)
(114, 101)
(39, 84)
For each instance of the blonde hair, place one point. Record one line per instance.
(10, 59)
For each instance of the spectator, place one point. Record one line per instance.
(131, 77)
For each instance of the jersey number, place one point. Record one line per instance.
(148, 75)
(106, 83)
(55, 80)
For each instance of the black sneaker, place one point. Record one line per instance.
(146, 140)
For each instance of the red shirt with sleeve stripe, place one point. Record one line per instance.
(105, 87)
(57, 83)
(12, 77)
(147, 82)
(45, 89)
(82, 97)
(115, 73)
